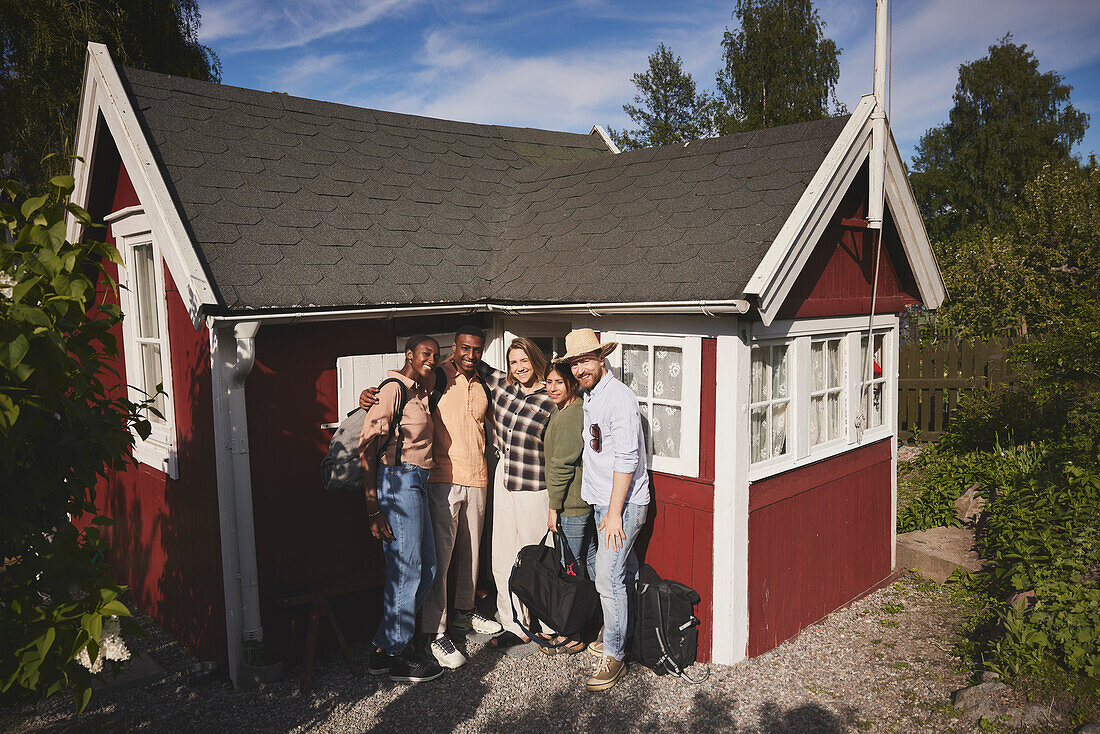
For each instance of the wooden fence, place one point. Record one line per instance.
(933, 374)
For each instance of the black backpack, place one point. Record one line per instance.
(665, 625)
(340, 469)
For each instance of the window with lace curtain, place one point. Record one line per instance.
(827, 391)
(769, 402)
(664, 373)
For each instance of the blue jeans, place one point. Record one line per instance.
(410, 556)
(580, 533)
(616, 572)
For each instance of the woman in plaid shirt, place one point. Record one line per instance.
(520, 409)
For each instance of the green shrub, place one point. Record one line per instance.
(60, 431)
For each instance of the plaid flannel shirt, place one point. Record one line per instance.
(519, 422)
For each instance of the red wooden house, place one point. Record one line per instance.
(268, 237)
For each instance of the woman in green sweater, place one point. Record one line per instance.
(563, 444)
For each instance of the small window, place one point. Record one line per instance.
(874, 389)
(656, 374)
(147, 331)
(826, 391)
(664, 373)
(770, 402)
(145, 349)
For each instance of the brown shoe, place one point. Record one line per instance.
(595, 648)
(608, 673)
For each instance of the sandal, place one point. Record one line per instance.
(563, 647)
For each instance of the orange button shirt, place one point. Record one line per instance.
(458, 442)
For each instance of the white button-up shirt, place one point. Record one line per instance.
(614, 408)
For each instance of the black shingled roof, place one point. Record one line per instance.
(295, 203)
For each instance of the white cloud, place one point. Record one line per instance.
(252, 25)
(572, 90)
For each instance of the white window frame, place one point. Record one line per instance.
(798, 335)
(771, 401)
(131, 229)
(691, 347)
(868, 385)
(842, 390)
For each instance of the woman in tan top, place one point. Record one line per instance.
(396, 461)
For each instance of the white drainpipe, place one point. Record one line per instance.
(245, 334)
(876, 190)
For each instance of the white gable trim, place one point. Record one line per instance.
(910, 226)
(779, 269)
(104, 94)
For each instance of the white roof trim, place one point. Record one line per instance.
(598, 130)
(779, 269)
(910, 226)
(104, 94)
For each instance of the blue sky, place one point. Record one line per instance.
(567, 65)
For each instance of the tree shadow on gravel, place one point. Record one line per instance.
(635, 710)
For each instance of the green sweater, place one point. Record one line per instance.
(563, 444)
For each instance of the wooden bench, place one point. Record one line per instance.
(318, 601)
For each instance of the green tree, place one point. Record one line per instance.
(42, 49)
(666, 107)
(1039, 271)
(779, 68)
(61, 430)
(1007, 122)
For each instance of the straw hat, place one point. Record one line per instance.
(584, 341)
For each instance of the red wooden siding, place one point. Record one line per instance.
(679, 541)
(837, 278)
(166, 544)
(818, 537)
(304, 535)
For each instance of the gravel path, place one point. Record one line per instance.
(883, 664)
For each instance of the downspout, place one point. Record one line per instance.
(876, 189)
(876, 196)
(244, 333)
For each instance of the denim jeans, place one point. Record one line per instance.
(579, 532)
(410, 556)
(616, 572)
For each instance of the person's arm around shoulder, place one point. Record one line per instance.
(563, 458)
(491, 376)
(377, 424)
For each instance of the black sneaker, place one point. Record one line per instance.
(412, 667)
(380, 662)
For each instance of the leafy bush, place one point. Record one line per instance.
(943, 474)
(60, 431)
(1041, 534)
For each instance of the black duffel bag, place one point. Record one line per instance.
(565, 602)
(665, 625)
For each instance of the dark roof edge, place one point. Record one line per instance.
(713, 308)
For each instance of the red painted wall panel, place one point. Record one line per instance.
(837, 279)
(679, 539)
(165, 544)
(818, 537)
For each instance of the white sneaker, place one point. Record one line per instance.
(474, 620)
(446, 653)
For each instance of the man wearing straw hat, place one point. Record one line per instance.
(616, 483)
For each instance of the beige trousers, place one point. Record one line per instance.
(457, 513)
(519, 519)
